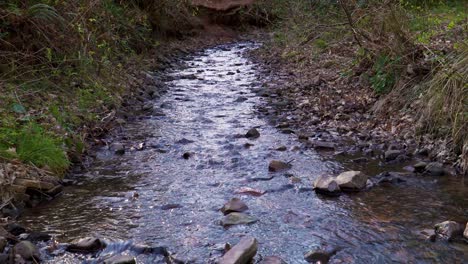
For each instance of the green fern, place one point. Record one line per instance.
(44, 12)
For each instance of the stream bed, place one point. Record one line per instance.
(155, 195)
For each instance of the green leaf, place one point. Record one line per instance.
(17, 108)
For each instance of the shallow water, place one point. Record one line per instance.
(209, 103)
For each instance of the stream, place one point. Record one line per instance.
(155, 196)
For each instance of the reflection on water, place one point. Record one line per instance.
(210, 103)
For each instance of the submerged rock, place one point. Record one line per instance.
(272, 260)
(317, 256)
(326, 184)
(234, 205)
(391, 154)
(242, 253)
(118, 148)
(420, 166)
(435, 169)
(250, 191)
(27, 251)
(277, 166)
(322, 145)
(235, 218)
(120, 259)
(252, 133)
(352, 180)
(448, 230)
(86, 245)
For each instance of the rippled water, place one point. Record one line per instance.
(210, 103)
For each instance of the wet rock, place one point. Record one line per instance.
(120, 259)
(3, 243)
(448, 230)
(237, 219)
(435, 169)
(15, 229)
(277, 166)
(326, 184)
(389, 177)
(118, 148)
(234, 205)
(144, 249)
(282, 148)
(323, 145)
(420, 166)
(272, 260)
(318, 256)
(27, 251)
(352, 180)
(86, 245)
(360, 160)
(184, 141)
(187, 155)
(39, 236)
(242, 253)
(391, 154)
(252, 133)
(241, 99)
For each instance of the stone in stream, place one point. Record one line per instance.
(435, 169)
(352, 181)
(242, 253)
(326, 184)
(118, 148)
(322, 145)
(319, 255)
(282, 148)
(120, 259)
(272, 260)
(86, 245)
(391, 154)
(252, 133)
(448, 230)
(237, 219)
(420, 166)
(277, 166)
(250, 191)
(27, 251)
(234, 205)
(14, 229)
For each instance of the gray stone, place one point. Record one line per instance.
(27, 251)
(252, 133)
(317, 256)
(242, 253)
(120, 259)
(235, 218)
(277, 166)
(420, 166)
(352, 180)
(272, 260)
(86, 245)
(234, 205)
(448, 230)
(322, 145)
(327, 185)
(391, 154)
(435, 169)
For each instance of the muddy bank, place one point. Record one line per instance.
(156, 187)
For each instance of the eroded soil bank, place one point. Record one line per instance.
(161, 179)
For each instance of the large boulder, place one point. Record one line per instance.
(242, 253)
(27, 251)
(234, 205)
(352, 180)
(237, 219)
(326, 184)
(86, 245)
(448, 230)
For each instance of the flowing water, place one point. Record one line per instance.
(156, 197)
